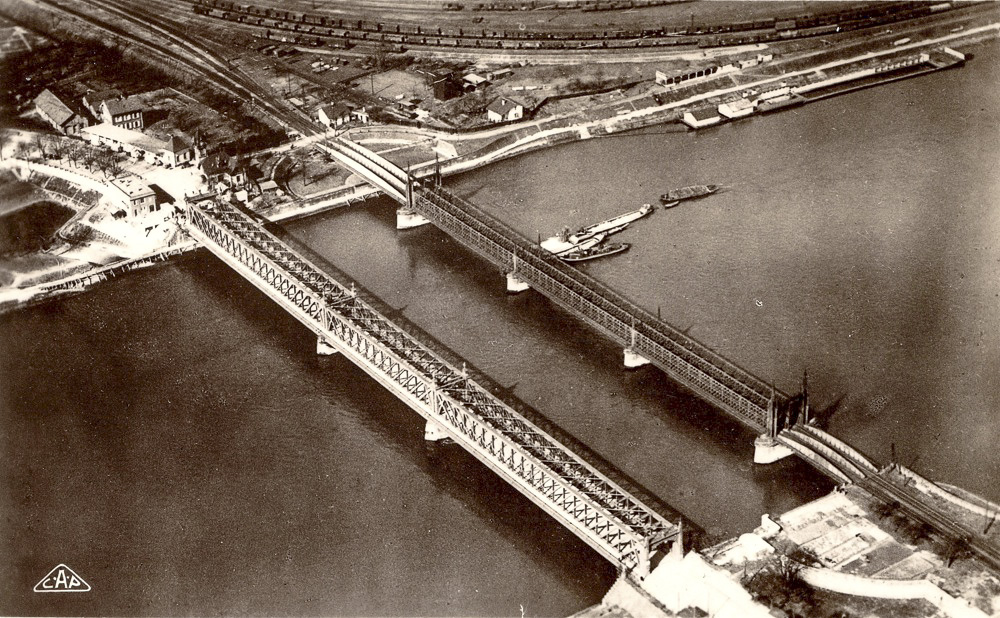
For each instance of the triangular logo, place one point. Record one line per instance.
(62, 579)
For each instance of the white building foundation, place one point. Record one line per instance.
(768, 450)
(408, 219)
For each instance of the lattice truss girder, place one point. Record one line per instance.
(744, 395)
(599, 505)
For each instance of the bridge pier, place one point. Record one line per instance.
(325, 348)
(634, 360)
(515, 285)
(768, 450)
(407, 219)
(434, 432)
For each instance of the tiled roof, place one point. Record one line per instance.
(50, 105)
(502, 106)
(94, 99)
(336, 110)
(117, 107)
(175, 145)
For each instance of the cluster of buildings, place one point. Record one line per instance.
(108, 119)
(780, 96)
(118, 125)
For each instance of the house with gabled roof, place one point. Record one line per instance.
(94, 98)
(125, 113)
(58, 114)
(222, 168)
(334, 115)
(503, 110)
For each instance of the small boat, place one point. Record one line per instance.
(670, 204)
(688, 193)
(596, 252)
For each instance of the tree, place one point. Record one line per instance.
(114, 164)
(952, 549)
(75, 153)
(39, 143)
(886, 509)
(59, 147)
(780, 584)
(23, 150)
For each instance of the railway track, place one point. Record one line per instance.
(919, 509)
(196, 58)
(322, 29)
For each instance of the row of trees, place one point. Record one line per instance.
(42, 147)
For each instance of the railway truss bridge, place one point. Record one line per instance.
(781, 420)
(618, 525)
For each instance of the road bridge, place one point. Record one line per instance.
(611, 520)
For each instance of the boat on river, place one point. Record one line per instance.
(599, 251)
(568, 241)
(584, 245)
(688, 193)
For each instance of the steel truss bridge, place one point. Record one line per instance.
(742, 395)
(608, 518)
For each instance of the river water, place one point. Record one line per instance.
(173, 437)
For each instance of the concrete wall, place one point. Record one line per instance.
(986, 510)
(846, 583)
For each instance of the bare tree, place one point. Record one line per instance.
(39, 143)
(114, 164)
(60, 148)
(75, 153)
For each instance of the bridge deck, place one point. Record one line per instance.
(614, 522)
(723, 383)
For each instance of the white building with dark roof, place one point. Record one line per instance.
(134, 196)
(63, 119)
(502, 110)
(126, 113)
(702, 117)
(334, 115)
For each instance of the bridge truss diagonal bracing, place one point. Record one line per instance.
(612, 521)
(721, 382)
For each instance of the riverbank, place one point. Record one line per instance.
(842, 554)
(422, 150)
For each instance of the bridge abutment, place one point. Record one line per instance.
(634, 360)
(515, 284)
(768, 450)
(407, 219)
(325, 348)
